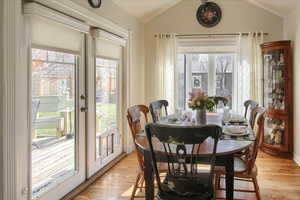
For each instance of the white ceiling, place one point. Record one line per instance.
(279, 7)
(145, 10)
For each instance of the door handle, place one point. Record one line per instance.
(83, 109)
(83, 97)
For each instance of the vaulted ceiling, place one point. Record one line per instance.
(145, 10)
(279, 7)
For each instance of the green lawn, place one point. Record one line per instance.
(108, 116)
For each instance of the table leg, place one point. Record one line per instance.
(148, 174)
(229, 177)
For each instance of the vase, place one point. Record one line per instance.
(201, 117)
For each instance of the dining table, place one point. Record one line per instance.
(227, 147)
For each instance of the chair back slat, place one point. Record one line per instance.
(182, 151)
(134, 116)
(157, 108)
(258, 115)
(249, 105)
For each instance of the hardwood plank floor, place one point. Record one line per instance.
(279, 179)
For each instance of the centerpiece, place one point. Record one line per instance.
(199, 102)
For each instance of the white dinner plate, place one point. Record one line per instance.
(236, 130)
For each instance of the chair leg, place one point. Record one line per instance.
(217, 185)
(219, 181)
(142, 183)
(135, 186)
(256, 187)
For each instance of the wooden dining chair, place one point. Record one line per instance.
(184, 179)
(244, 166)
(249, 105)
(157, 108)
(134, 117)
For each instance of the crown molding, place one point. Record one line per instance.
(260, 5)
(148, 18)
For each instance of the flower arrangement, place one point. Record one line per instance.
(200, 101)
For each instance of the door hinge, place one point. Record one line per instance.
(25, 191)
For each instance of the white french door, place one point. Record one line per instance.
(57, 87)
(104, 102)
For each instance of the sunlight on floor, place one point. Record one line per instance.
(279, 179)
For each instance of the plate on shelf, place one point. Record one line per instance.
(236, 130)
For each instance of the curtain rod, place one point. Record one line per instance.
(216, 34)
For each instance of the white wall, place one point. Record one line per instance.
(238, 16)
(292, 29)
(114, 13)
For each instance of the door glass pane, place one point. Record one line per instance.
(106, 106)
(53, 118)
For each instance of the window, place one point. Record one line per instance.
(209, 73)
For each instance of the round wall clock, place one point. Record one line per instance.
(95, 3)
(209, 14)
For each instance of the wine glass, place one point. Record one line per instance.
(226, 115)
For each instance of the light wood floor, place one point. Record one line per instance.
(279, 179)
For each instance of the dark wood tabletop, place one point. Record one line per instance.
(224, 146)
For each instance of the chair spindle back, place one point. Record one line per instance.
(182, 147)
(157, 108)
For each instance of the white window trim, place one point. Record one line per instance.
(15, 110)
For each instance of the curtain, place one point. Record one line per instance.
(249, 70)
(165, 68)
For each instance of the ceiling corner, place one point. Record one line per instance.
(273, 11)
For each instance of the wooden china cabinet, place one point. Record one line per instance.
(278, 98)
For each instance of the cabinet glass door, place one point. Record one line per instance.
(274, 83)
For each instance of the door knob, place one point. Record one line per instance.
(83, 97)
(83, 109)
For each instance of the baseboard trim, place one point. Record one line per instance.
(297, 159)
(92, 179)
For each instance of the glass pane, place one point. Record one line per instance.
(195, 72)
(274, 131)
(181, 70)
(200, 63)
(224, 66)
(106, 106)
(200, 72)
(274, 80)
(53, 119)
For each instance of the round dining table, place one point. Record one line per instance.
(224, 156)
